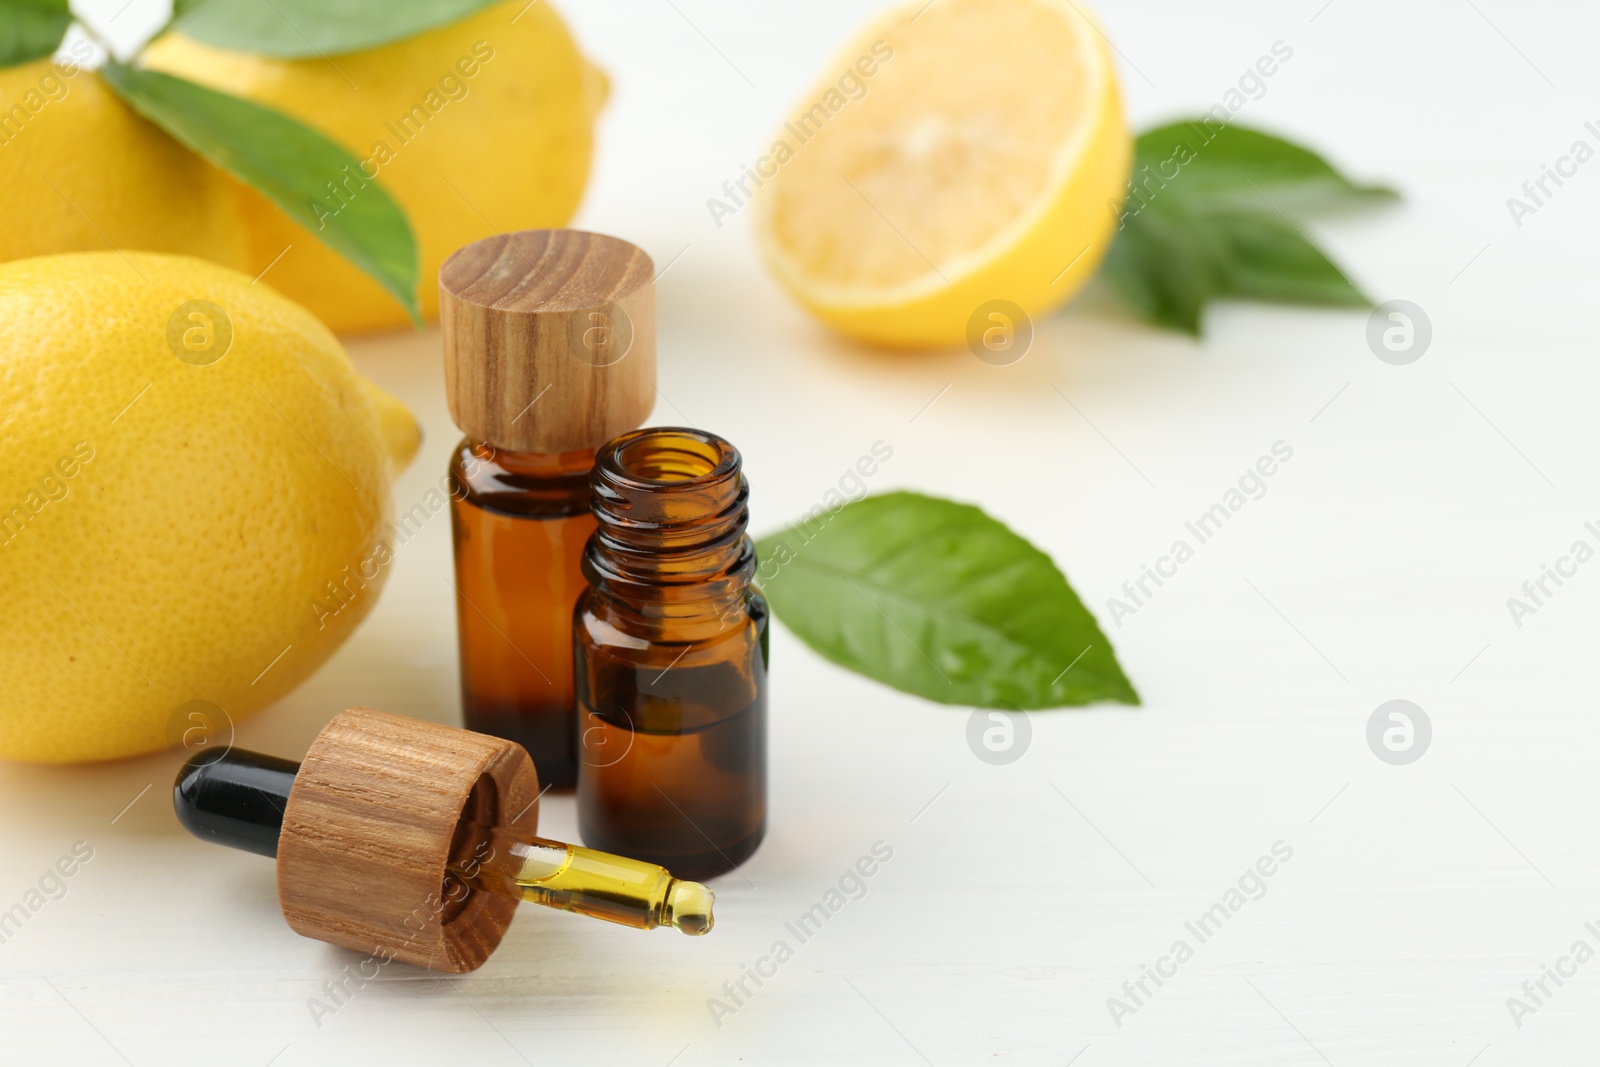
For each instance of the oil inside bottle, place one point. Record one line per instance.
(520, 523)
(671, 776)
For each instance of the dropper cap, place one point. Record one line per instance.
(415, 841)
(549, 339)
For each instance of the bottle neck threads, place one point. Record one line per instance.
(672, 506)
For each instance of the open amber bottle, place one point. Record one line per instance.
(671, 653)
(549, 339)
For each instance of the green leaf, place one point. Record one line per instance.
(31, 29)
(315, 181)
(1230, 159)
(1167, 269)
(1266, 257)
(1209, 217)
(300, 28)
(938, 599)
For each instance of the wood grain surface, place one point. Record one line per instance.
(368, 830)
(549, 339)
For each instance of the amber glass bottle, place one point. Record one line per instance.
(671, 652)
(549, 352)
(520, 521)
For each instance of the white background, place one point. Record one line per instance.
(1019, 898)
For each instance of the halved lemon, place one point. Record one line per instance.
(958, 152)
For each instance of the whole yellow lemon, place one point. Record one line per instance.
(82, 172)
(479, 127)
(192, 499)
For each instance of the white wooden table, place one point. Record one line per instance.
(1020, 898)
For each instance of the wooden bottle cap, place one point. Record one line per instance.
(368, 830)
(549, 339)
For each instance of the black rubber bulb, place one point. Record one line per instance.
(236, 799)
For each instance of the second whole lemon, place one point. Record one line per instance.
(960, 163)
(83, 173)
(482, 126)
(192, 501)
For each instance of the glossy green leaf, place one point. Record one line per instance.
(315, 181)
(938, 599)
(1211, 216)
(31, 29)
(300, 28)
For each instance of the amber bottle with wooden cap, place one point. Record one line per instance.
(672, 657)
(549, 352)
(411, 841)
